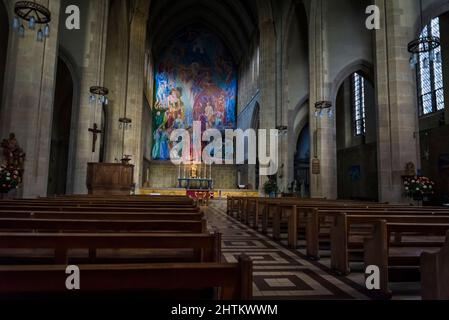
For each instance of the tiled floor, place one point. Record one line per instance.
(279, 273)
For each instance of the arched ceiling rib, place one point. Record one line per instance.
(232, 20)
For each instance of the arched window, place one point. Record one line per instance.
(358, 103)
(430, 75)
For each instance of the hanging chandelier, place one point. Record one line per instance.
(32, 14)
(283, 130)
(424, 44)
(99, 94)
(323, 108)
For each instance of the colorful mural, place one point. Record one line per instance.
(195, 80)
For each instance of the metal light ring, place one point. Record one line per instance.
(424, 44)
(125, 120)
(101, 91)
(322, 105)
(23, 9)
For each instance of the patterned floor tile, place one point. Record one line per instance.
(279, 273)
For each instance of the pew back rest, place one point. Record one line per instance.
(234, 280)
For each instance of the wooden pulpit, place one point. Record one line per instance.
(109, 178)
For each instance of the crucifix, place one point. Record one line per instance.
(95, 133)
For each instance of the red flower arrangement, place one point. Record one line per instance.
(9, 179)
(418, 187)
(11, 168)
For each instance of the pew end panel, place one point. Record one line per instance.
(435, 274)
(339, 245)
(376, 254)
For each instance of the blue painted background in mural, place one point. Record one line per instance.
(195, 80)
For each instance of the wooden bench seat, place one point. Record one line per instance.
(95, 215)
(342, 233)
(61, 225)
(149, 280)
(111, 208)
(378, 252)
(207, 246)
(316, 217)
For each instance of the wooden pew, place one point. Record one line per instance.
(112, 215)
(152, 280)
(435, 274)
(207, 245)
(101, 209)
(378, 247)
(95, 215)
(315, 216)
(341, 231)
(61, 225)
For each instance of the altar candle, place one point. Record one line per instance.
(179, 171)
(210, 171)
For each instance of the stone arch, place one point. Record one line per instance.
(356, 153)
(70, 64)
(365, 68)
(255, 120)
(298, 117)
(296, 17)
(61, 130)
(435, 9)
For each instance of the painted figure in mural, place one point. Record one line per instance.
(159, 118)
(203, 119)
(195, 80)
(164, 146)
(209, 112)
(179, 122)
(157, 144)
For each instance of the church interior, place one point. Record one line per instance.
(224, 149)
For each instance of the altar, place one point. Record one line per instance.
(195, 183)
(195, 176)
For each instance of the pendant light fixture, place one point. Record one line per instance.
(33, 15)
(425, 43)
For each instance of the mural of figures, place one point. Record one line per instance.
(195, 80)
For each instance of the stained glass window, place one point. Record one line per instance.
(359, 99)
(430, 74)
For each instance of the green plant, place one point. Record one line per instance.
(270, 187)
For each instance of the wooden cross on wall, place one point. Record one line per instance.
(95, 133)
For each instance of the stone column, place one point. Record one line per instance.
(28, 98)
(92, 74)
(115, 79)
(267, 78)
(322, 130)
(396, 97)
(444, 22)
(134, 140)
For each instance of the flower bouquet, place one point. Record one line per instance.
(9, 178)
(11, 166)
(419, 188)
